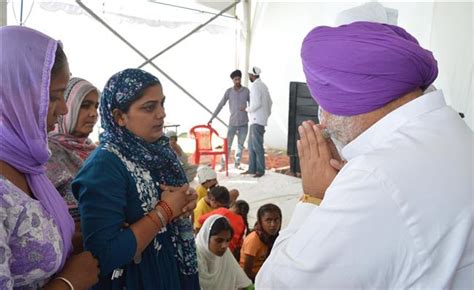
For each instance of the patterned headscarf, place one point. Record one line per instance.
(358, 68)
(76, 90)
(121, 90)
(27, 57)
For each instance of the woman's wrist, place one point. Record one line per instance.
(166, 209)
(161, 215)
(59, 283)
(65, 281)
(158, 224)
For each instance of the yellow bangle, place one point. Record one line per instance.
(310, 199)
(65, 281)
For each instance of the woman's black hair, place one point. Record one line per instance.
(243, 209)
(60, 61)
(126, 106)
(221, 224)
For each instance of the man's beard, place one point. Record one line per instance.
(341, 129)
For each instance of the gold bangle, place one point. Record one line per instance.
(71, 287)
(310, 199)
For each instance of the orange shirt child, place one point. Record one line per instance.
(255, 248)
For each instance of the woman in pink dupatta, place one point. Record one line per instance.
(69, 143)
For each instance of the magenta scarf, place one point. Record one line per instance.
(27, 57)
(82, 147)
(358, 68)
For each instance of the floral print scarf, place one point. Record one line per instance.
(158, 157)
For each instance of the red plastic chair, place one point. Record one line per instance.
(204, 134)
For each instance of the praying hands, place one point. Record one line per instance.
(319, 160)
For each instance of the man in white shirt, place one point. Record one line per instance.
(399, 214)
(259, 110)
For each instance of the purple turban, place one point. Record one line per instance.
(358, 68)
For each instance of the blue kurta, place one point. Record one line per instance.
(108, 197)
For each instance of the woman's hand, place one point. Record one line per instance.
(81, 270)
(191, 205)
(181, 200)
(315, 154)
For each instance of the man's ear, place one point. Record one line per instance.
(119, 117)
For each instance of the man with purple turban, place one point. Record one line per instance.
(399, 213)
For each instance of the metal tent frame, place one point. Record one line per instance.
(200, 26)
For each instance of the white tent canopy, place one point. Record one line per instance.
(202, 63)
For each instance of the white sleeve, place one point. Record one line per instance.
(340, 244)
(255, 99)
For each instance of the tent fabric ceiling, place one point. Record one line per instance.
(141, 12)
(218, 5)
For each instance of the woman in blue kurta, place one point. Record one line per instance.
(133, 194)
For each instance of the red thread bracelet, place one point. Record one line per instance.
(167, 209)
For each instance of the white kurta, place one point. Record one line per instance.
(261, 103)
(398, 215)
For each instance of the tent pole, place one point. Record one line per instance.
(96, 17)
(21, 13)
(3, 12)
(248, 33)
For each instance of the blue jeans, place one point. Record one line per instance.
(256, 151)
(241, 132)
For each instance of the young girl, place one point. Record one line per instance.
(241, 207)
(218, 269)
(259, 243)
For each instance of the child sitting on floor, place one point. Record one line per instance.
(189, 169)
(241, 207)
(217, 197)
(236, 221)
(207, 178)
(258, 244)
(217, 267)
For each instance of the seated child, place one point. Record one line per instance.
(217, 267)
(217, 197)
(241, 207)
(258, 244)
(236, 221)
(207, 178)
(189, 169)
